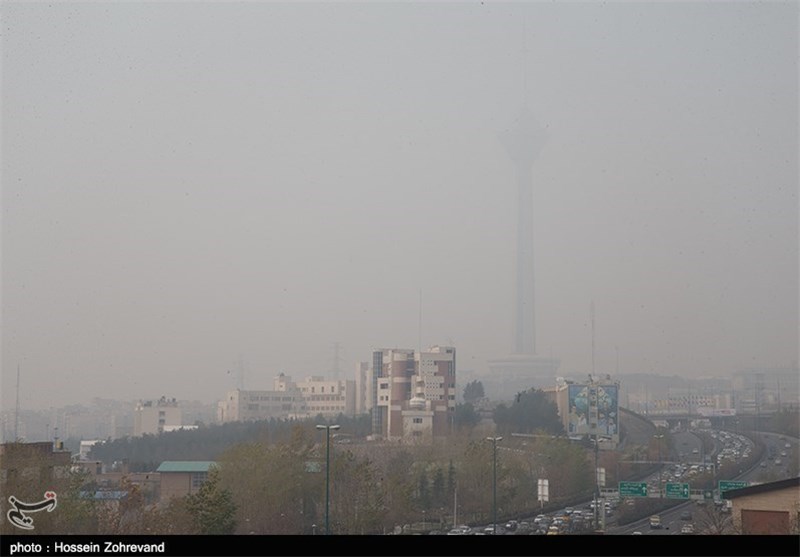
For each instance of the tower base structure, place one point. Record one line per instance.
(519, 372)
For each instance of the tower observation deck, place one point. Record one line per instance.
(523, 368)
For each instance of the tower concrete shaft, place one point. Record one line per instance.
(523, 142)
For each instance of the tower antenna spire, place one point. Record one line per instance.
(525, 63)
(592, 311)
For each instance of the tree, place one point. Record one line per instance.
(438, 498)
(466, 416)
(212, 507)
(532, 410)
(271, 486)
(711, 520)
(423, 490)
(473, 391)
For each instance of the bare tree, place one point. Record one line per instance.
(714, 521)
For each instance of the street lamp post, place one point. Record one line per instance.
(494, 441)
(327, 429)
(659, 437)
(596, 483)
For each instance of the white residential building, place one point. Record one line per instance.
(289, 399)
(150, 416)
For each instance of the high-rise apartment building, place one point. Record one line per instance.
(414, 393)
(363, 392)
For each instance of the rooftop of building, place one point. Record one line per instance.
(762, 488)
(185, 466)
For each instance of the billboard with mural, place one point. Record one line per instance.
(579, 400)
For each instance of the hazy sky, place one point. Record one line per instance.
(185, 183)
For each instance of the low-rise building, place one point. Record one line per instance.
(768, 508)
(328, 397)
(289, 399)
(588, 408)
(179, 478)
(32, 463)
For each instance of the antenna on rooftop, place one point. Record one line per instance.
(419, 328)
(337, 370)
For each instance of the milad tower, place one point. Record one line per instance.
(523, 368)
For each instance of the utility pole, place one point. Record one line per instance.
(659, 437)
(16, 411)
(328, 429)
(592, 311)
(494, 441)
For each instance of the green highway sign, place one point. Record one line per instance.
(677, 491)
(725, 485)
(633, 489)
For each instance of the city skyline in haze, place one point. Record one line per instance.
(187, 184)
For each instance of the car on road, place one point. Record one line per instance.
(489, 530)
(687, 529)
(460, 530)
(686, 515)
(655, 522)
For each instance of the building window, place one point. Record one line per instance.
(198, 479)
(417, 420)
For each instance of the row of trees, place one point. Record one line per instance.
(530, 411)
(145, 453)
(270, 476)
(279, 488)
